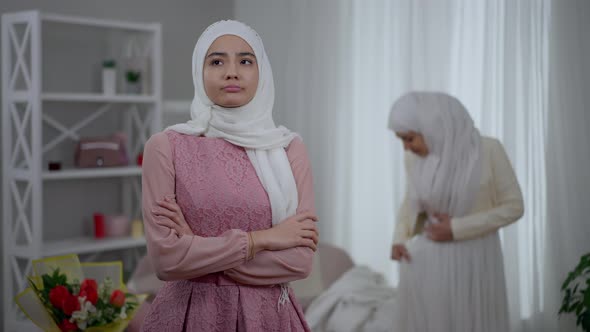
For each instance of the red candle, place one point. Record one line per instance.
(98, 225)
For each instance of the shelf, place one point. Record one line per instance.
(31, 104)
(88, 173)
(81, 245)
(22, 174)
(101, 23)
(98, 98)
(86, 245)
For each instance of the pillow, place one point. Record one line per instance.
(309, 288)
(143, 280)
(147, 284)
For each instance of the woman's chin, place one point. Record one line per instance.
(232, 104)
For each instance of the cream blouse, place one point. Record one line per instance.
(499, 200)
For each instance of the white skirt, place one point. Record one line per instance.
(453, 287)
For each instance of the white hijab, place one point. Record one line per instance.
(250, 126)
(447, 179)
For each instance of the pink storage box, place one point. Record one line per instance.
(117, 226)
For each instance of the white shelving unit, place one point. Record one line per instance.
(98, 98)
(29, 99)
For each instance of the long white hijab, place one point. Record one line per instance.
(447, 179)
(250, 126)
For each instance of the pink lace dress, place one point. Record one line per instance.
(210, 284)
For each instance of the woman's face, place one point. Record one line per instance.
(414, 142)
(230, 72)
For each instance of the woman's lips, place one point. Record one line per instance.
(232, 88)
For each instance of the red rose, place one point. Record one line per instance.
(91, 295)
(57, 295)
(70, 305)
(117, 298)
(89, 289)
(89, 283)
(67, 326)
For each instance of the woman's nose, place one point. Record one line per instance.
(232, 72)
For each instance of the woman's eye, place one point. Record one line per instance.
(246, 62)
(216, 62)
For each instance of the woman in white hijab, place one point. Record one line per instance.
(227, 199)
(461, 190)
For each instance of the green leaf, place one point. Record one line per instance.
(586, 321)
(133, 76)
(573, 306)
(571, 276)
(567, 296)
(563, 308)
(575, 299)
(47, 282)
(109, 63)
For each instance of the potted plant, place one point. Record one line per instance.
(576, 289)
(133, 78)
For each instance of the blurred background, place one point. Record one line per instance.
(522, 69)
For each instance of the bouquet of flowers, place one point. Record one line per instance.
(66, 295)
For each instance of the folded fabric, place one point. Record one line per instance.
(360, 300)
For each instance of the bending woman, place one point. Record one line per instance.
(461, 190)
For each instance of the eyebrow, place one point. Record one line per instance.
(247, 54)
(224, 54)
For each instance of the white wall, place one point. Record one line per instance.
(182, 22)
(568, 150)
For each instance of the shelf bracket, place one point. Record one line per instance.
(71, 133)
(22, 219)
(19, 48)
(21, 141)
(142, 127)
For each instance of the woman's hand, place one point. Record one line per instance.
(442, 231)
(399, 252)
(296, 231)
(174, 218)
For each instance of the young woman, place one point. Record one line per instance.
(461, 190)
(227, 199)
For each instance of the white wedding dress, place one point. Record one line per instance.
(453, 287)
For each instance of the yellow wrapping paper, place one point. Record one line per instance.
(32, 305)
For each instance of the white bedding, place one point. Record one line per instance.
(360, 300)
